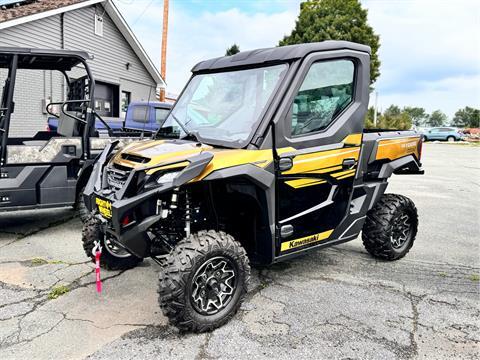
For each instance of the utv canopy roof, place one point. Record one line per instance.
(43, 59)
(276, 55)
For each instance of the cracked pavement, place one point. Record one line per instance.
(334, 303)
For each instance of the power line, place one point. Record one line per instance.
(143, 12)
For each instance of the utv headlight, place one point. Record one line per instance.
(160, 178)
(167, 177)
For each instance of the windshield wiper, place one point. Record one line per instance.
(193, 135)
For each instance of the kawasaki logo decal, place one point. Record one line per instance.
(307, 240)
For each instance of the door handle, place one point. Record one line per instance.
(348, 164)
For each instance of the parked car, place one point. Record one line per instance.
(141, 116)
(442, 133)
(146, 116)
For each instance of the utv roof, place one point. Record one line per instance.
(276, 55)
(44, 59)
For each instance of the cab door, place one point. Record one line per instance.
(318, 142)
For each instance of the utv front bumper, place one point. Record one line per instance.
(127, 218)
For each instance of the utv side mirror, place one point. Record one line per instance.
(285, 164)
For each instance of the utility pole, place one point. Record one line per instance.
(375, 110)
(163, 65)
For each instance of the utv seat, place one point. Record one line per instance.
(67, 126)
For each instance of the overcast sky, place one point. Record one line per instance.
(430, 50)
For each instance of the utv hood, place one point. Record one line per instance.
(157, 155)
(154, 153)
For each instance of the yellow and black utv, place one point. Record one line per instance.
(263, 157)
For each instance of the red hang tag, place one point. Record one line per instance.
(97, 271)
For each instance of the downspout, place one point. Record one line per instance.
(62, 46)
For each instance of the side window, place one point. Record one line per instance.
(326, 91)
(140, 114)
(161, 115)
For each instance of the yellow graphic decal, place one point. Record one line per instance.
(104, 207)
(299, 183)
(392, 149)
(307, 240)
(321, 160)
(353, 139)
(342, 174)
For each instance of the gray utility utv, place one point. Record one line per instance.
(49, 169)
(263, 157)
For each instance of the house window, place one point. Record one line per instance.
(98, 25)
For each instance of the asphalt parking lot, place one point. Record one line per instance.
(336, 303)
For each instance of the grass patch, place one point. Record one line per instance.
(475, 277)
(58, 291)
(54, 262)
(443, 274)
(38, 261)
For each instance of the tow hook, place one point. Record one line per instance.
(97, 252)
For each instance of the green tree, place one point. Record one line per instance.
(418, 114)
(437, 118)
(321, 20)
(467, 117)
(392, 110)
(232, 50)
(394, 118)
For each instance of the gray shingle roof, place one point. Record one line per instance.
(33, 7)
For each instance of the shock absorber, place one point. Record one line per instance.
(174, 199)
(187, 213)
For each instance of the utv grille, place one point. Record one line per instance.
(135, 158)
(116, 178)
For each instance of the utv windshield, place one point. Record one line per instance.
(223, 108)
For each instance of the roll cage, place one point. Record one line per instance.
(14, 59)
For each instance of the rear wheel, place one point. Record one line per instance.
(391, 227)
(451, 139)
(425, 139)
(113, 256)
(203, 281)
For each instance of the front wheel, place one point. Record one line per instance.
(113, 257)
(82, 211)
(203, 281)
(451, 139)
(391, 227)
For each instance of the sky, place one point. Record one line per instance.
(430, 49)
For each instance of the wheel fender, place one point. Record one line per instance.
(84, 175)
(409, 162)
